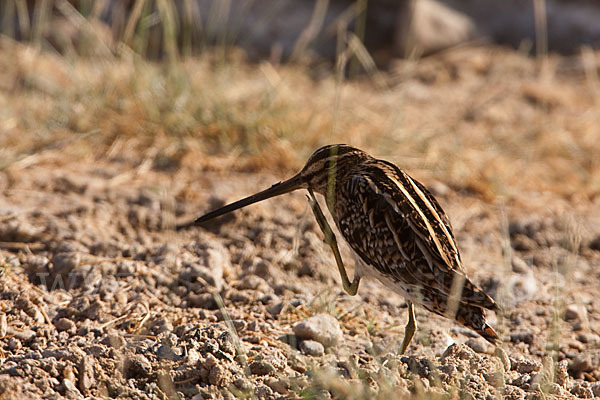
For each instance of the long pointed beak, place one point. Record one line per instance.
(277, 189)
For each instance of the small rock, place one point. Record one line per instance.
(581, 390)
(219, 376)
(590, 338)
(312, 348)
(525, 366)
(280, 386)
(253, 282)
(575, 312)
(269, 298)
(438, 188)
(14, 344)
(525, 337)
(478, 345)
(71, 391)
(210, 361)
(239, 325)
(3, 325)
(87, 379)
(562, 373)
(261, 368)
(501, 354)
(519, 265)
(264, 392)
(595, 243)
(65, 262)
(16, 230)
(166, 353)
(113, 340)
(191, 358)
(581, 363)
(323, 328)
(551, 388)
(160, 325)
(595, 388)
(521, 242)
(66, 325)
(137, 366)
(213, 277)
(513, 392)
(204, 300)
(36, 263)
(275, 309)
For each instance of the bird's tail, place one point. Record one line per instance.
(473, 317)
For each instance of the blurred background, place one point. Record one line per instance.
(234, 77)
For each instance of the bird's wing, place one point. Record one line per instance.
(397, 227)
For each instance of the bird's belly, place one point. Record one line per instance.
(365, 270)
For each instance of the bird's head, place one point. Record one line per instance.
(324, 166)
(321, 172)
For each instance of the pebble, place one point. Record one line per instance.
(575, 312)
(590, 338)
(504, 359)
(191, 358)
(261, 367)
(581, 363)
(253, 282)
(580, 390)
(323, 328)
(137, 366)
(3, 325)
(239, 324)
(595, 386)
(478, 345)
(66, 325)
(525, 337)
(524, 365)
(204, 300)
(166, 353)
(71, 391)
(594, 244)
(16, 230)
(264, 392)
(87, 379)
(280, 386)
(562, 373)
(312, 348)
(14, 344)
(519, 265)
(113, 340)
(522, 243)
(65, 262)
(212, 276)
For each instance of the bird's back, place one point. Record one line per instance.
(400, 231)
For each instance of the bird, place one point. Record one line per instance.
(397, 230)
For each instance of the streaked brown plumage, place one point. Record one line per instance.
(397, 229)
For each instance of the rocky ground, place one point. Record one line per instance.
(101, 298)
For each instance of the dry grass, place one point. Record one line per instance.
(478, 119)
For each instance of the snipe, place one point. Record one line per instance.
(396, 228)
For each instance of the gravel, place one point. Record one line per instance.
(109, 302)
(312, 348)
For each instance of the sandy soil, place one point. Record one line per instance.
(100, 297)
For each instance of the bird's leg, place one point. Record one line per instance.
(410, 329)
(350, 287)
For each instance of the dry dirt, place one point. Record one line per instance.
(100, 297)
